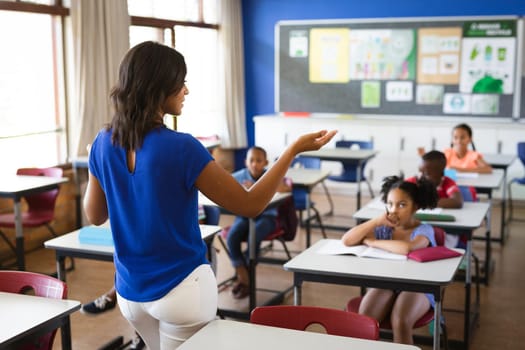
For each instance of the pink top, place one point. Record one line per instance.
(469, 161)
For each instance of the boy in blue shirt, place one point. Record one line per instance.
(256, 162)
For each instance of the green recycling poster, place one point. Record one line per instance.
(487, 57)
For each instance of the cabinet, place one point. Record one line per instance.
(396, 140)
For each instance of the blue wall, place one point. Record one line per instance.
(260, 17)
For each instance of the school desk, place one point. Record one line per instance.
(468, 218)
(307, 179)
(70, 245)
(501, 161)
(408, 275)
(18, 186)
(485, 183)
(235, 335)
(276, 200)
(347, 155)
(27, 316)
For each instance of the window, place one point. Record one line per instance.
(33, 116)
(182, 24)
(31, 86)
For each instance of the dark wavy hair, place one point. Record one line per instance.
(423, 192)
(148, 74)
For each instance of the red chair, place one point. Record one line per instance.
(354, 303)
(41, 206)
(334, 321)
(22, 282)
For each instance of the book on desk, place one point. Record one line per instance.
(336, 247)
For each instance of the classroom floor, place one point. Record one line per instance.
(502, 302)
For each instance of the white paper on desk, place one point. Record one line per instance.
(430, 211)
(376, 204)
(461, 175)
(336, 247)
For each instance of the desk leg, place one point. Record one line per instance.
(20, 251)
(488, 245)
(359, 176)
(252, 262)
(61, 267)
(65, 330)
(503, 208)
(77, 198)
(297, 294)
(468, 280)
(308, 225)
(437, 322)
(65, 333)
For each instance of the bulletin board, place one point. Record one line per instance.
(439, 66)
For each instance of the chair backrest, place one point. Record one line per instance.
(355, 144)
(45, 200)
(350, 168)
(24, 282)
(212, 213)
(468, 193)
(521, 152)
(300, 317)
(439, 235)
(306, 162)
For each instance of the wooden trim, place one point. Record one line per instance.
(168, 23)
(34, 8)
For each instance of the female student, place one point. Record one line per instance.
(146, 179)
(460, 157)
(397, 231)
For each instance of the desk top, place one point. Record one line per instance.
(487, 181)
(19, 185)
(340, 154)
(307, 177)
(277, 199)
(70, 242)
(235, 335)
(499, 161)
(439, 272)
(469, 217)
(21, 314)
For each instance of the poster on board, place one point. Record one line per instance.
(438, 55)
(382, 54)
(487, 57)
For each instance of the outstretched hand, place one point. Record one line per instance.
(313, 141)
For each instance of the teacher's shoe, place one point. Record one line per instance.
(99, 305)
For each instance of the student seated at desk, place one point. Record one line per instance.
(256, 162)
(397, 231)
(432, 168)
(459, 156)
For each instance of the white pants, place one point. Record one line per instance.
(167, 322)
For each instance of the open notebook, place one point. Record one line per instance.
(336, 247)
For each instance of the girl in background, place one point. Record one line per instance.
(460, 157)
